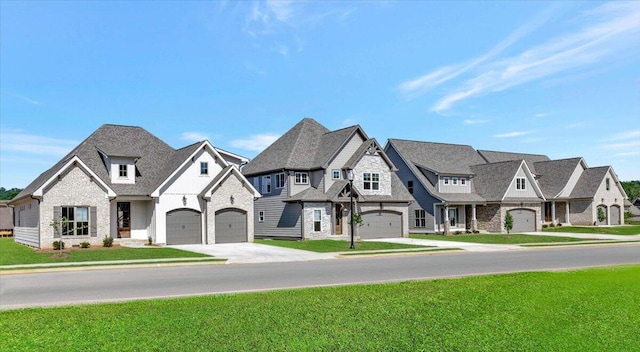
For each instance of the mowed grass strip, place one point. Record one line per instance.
(12, 253)
(513, 238)
(552, 311)
(326, 246)
(613, 230)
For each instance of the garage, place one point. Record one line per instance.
(380, 224)
(231, 226)
(184, 226)
(524, 220)
(615, 215)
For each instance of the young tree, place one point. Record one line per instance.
(601, 216)
(508, 222)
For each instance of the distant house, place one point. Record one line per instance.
(125, 183)
(6, 218)
(303, 178)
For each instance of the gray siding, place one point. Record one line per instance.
(27, 235)
(26, 213)
(341, 159)
(528, 192)
(280, 219)
(459, 188)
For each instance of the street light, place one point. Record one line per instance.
(350, 178)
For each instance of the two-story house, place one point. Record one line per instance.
(125, 183)
(306, 192)
(455, 189)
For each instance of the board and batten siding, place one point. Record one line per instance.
(26, 213)
(280, 219)
(573, 180)
(528, 192)
(459, 188)
(341, 159)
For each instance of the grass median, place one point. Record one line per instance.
(513, 238)
(12, 253)
(327, 246)
(547, 311)
(628, 230)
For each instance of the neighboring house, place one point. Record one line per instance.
(306, 193)
(573, 191)
(455, 189)
(125, 183)
(6, 218)
(634, 209)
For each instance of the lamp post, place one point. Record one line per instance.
(350, 178)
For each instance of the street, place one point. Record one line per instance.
(122, 284)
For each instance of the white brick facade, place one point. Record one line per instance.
(325, 223)
(221, 199)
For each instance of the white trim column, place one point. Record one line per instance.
(567, 219)
(553, 212)
(447, 227)
(474, 221)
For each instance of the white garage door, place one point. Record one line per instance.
(524, 220)
(380, 224)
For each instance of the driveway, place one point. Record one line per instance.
(467, 246)
(253, 252)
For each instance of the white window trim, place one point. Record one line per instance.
(206, 165)
(120, 170)
(75, 222)
(317, 211)
(521, 184)
(371, 181)
(301, 180)
(280, 177)
(445, 181)
(420, 215)
(454, 181)
(333, 174)
(261, 216)
(266, 184)
(463, 181)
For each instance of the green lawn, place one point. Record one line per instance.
(552, 311)
(325, 246)
(513, 238)
(614, 230)
(13, 253)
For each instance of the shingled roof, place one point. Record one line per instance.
(555, 174)
(495, 157)
(493, 180)
(589, 182)
(306, 146)
(441, 158)
(156, 160)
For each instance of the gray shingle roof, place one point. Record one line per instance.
(493, 180)
(495, 157)
(555, 174)
(156, 159)
(589, 182)
(442, 158)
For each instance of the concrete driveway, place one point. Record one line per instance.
(253, 252)
(467, 246)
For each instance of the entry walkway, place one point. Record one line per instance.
(467, 246)
(253, 252)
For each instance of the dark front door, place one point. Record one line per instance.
(124, 219)
(339, 208)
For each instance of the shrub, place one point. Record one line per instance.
(544, 226)
(85, 244)
(150, 240)
(552, 225)
(476, 231)
(559, 225)
(58, 245)
(107, 242)
(601, 216)
(457, 233)
(468, 231)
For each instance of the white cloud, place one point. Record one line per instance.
(625, 154)
(511, 134)
(624, 136)
(348, 122)
(28, 100)
(543, 114)
(474, 122)
(193, 136)
(622, 145)
(256, 142)
(18, 141)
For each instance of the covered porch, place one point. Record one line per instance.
(450, 218)
(557, 212)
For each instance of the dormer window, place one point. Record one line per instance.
(454, 181)
(463, 181)
(521, 184)
(335, 174)
(122, 171)
(445, 180)
(301, 178)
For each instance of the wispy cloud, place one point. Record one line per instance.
(193, 136)
(622, 145)
(511, 134)
(474, 122)
(628, 141)
(625, 154)
(624, 136)
(543, 114)
(348, 122)
(19, 141)
(610, 29)
(256, 142)
(28, 100)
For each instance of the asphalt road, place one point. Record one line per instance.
(91, 286)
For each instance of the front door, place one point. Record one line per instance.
(124, 219)
(339, 209)
(452, 217)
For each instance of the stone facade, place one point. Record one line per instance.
(326, 223)
(221, 199)
(372, 164)
(489, 218)
(74, 188)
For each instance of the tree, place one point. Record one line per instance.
(601, 216)
(508, 222)
(6, 194)
(632, 189)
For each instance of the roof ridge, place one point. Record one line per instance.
(428, 142)
(497, 151)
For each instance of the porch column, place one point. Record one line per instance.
(446, 220)
(609, 215)
(553, 212)
(567, 219)
(474, 221)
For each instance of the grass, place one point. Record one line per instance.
(549, 311)
(12, 253)
(513, 238)
(613, 230)
(326, 246)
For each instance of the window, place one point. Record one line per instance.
(410, 186)
(261, 216)
(317, 220)
(371, 181)
(420, 218)
(266, 184)
(123, 170)
(280, 178)
(335, 174)
(302, 178)
(77, 221)
(204, 168)
(454, 181)
(463, 181)
(520, 184)
(445, 180)
(608, 184)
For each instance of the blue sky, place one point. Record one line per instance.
(555, 78)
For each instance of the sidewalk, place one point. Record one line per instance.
(108, 262)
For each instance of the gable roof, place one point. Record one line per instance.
(495, 157)
(492, 180)
(440, 158)
(306, 146)
(555, 174)
(589, 182)
(364, 147)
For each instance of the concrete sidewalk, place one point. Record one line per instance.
(253, 252)
(467, 246)
(587, 236)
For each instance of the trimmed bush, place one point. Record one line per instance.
(544, 226)
(552, 225)
(58, 245)
(85, 244)
(107, 242)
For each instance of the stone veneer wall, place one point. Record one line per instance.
(221, 199)
(488, 217)
(326, 220)
(75, 188)
(373, 164)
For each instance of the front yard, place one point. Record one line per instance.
(12, 253)
(547, 311)
(602, 230)
(326, 246)
(513, 238)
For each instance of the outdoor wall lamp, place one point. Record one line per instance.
(184, 200)
(231, 199)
